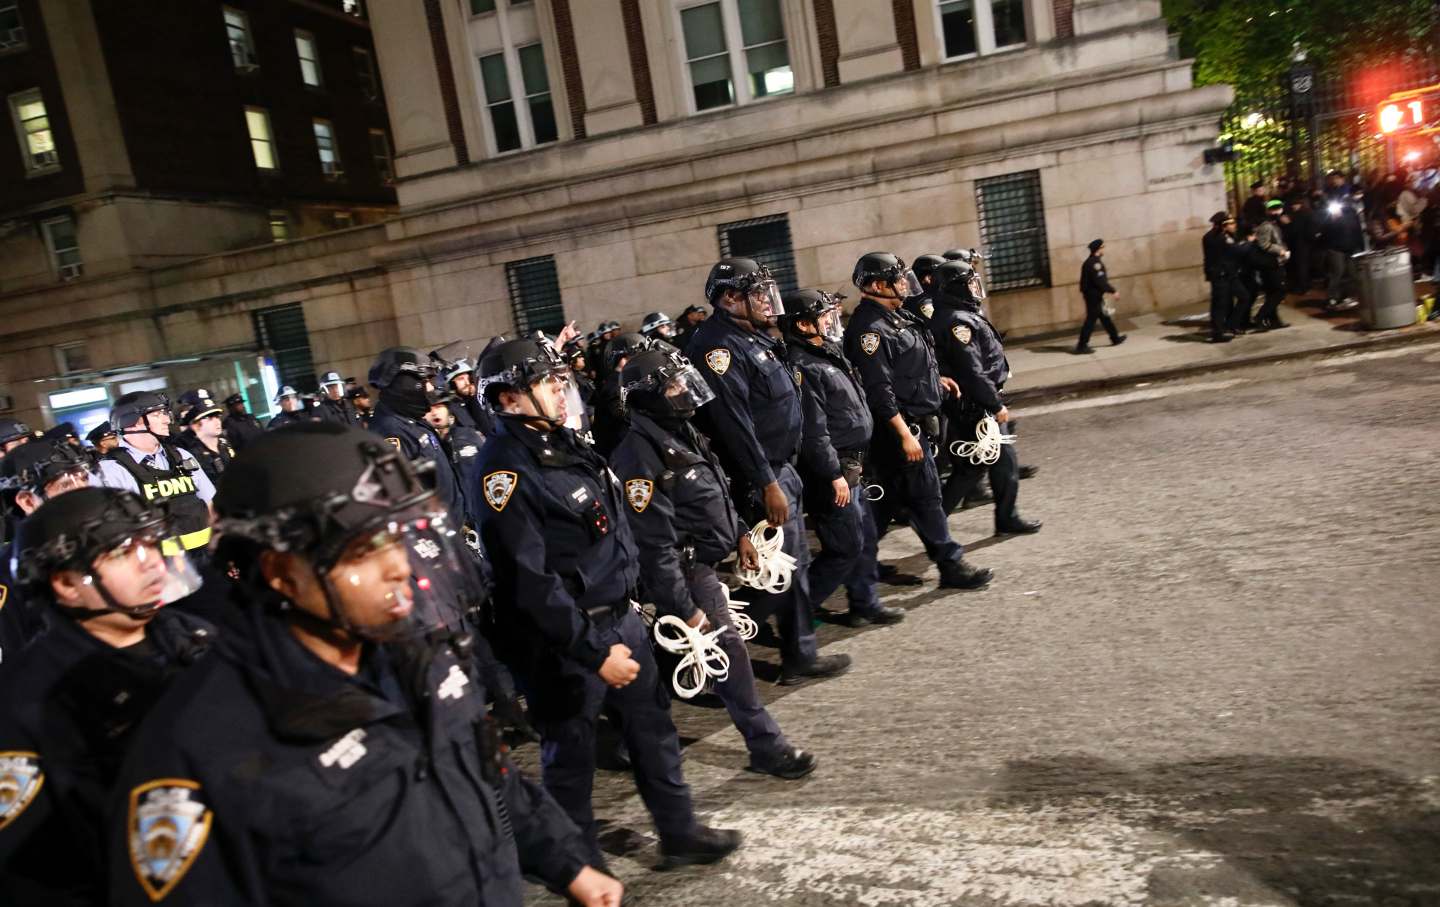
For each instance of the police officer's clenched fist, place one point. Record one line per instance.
(619, 668)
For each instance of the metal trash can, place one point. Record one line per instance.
(1387, 290)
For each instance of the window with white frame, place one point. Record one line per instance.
(262, 144)
(12, 27)
(309, 56)
(32, 127)
(72, 357)
(506, 77)
(328, 150)
(242, 47)
(380, 151)
(64, 247)
(972, 27)
(481, 7)
(735, 51)
(365, 73)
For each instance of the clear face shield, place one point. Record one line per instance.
(685, 388)
(403, 578)
(763, 303)
(977, 287)
(907, 285)
(830, 327)
(143, 573)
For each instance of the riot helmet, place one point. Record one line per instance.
(534, 370)
(663, 384)
(819, 308)
(658, 324)
(889, 270)
(958, 283)
(754, 283)
(149, 409)
(924, 268)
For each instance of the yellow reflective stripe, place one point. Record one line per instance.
(188, 542)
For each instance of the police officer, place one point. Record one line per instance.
(204, 435)
(335, 749)
(658, 326)
(609, 422)
(464, 403)
(12, 435)
(566, 570)
(334, 406)
(1229, 300)
(240, 427)
(892, 351)
(971, 353)
(149, 463)
(73, 698)
(837, 434)
(462, 446)
(756, 422)
(686, 324)
(686, 524)
(405, 378)
(924, 267)
(605, 332)
(65, 431)
(359, 398)
(1094, 285)
(574, 356)
(292, 409)
(102, 437)
(34, 474)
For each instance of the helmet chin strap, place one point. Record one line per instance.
(138, 614)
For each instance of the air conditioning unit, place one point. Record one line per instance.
(71, 272)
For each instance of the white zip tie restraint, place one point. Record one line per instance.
(985, 449)
(743, 623)
(701, 658)
(776, 566)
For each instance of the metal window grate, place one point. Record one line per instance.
(1012, 231)
(765, 239)
(281, 330)
(535, 295)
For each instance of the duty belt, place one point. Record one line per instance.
(610, 613)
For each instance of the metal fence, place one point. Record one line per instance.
(1012, 231)
(535, 295)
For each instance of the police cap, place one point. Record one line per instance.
(11, 430)
(100, 432)
(60, 432)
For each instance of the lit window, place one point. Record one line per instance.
(262, 146)
(365, 72)
(380, 151)
(735, 52)
(12, 28)
(279, 226)
(64, 247)
(242, 48)
(354, 8)
(32, 126)
(309, 59)
(329, 152)
(971, 27)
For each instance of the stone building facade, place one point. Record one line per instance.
(589, 159)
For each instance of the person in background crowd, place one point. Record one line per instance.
(240, 427)
(1229, 300)
(292, 409)
(464, 403)
(102, 438)
(204, 436)
(1343, 233)
(65, 431)
(688, 321)
(74, 697)
(12, 435)
(574, 356)
(405, 378)
(1301, 233)
(1094, 287)
(1253, 211)
(359, 398)
(334, 407)
(608, 424)
(658, 326)
(1270, 243)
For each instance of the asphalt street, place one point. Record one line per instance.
(1213, 678)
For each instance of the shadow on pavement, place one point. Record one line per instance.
(1321, 831)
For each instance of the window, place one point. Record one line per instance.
(237, 32)
(262, 146)
(354, 8)
(365, 72)
(971, 27)
(330, 163)
(380, 151)
(537, 93)
(514, 125)
(309, 59)
(281, 331)
(765, 239)
(32, 126)
(64, 247)
(503, 121)
(480, 7)
(342, 220)
(71, 358)
(535, 295)
(279, 226)
(1012, 230)
(735, 52)
(12, 29)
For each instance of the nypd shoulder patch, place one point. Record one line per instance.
(20, 780)
(167, 826)
(498, 488)
(799, 376)
(395, 442)
(961, 332)
(639, 492)
(4, 594)
(718, 360)
(927, 309)
(869, 342)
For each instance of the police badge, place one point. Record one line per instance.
(869, 342)
(799, 376)
(718, 360)
(927, 309)
(20, 780)
(498, 488)
(638, 492)
(168, 824)
(961, 332)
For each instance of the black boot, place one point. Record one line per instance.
(891, 576)
(957, 574)
(699, 848)
(822, 666)
(791, 766)
(880, 616)
(1027, 471)
(1017, 526)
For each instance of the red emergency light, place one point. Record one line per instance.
(1410, 112)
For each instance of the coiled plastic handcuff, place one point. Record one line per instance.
(985, 449)
(775, 566)
(701, 658)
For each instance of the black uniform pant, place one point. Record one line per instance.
(1272, 278)
(791, 608)
(1004, 482)
(565, 700)
(1223, 305)
(913, 485)
(761, 732)
(1095, 312)
(849, 547)
(1340, 275)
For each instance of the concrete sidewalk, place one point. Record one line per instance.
(1174, 343)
